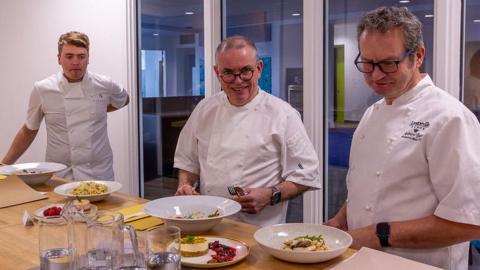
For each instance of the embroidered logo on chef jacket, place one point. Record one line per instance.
(416, 131)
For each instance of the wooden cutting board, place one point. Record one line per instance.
(14, 191)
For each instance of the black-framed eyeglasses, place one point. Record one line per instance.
(387, 66)
(245, 74)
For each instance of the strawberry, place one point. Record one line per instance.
(52, 211)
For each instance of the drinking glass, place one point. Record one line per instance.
(55, 244)
(163, 248)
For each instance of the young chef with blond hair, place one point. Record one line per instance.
(74, 103)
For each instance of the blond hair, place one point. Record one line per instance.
(74, 38)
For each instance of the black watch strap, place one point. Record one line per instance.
(383, 233)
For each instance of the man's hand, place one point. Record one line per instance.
(186, 181)
(365, 237)
(186, 189)
(254, 200)
(337, 223)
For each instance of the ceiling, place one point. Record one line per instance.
(170, 14)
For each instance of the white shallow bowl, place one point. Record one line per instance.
(33, 173)
(170, 208)
(271, 239)
(66, 189)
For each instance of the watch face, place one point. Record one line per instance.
(276, 196)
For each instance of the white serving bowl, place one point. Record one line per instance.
(66, 189)
(33, 173)
(170, 208)
(271, 239)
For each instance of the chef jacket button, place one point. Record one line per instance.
(368, 208)
(362, 137)
(92, 112)
(378, 173)
(240, 165)
(248, 136)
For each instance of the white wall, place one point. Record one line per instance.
(29, 31)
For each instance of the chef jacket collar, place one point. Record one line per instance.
(247, 106)
(412, 93)
(63, 83)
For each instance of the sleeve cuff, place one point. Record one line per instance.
(192, 169)
(458, 215)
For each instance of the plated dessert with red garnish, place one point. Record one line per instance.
(221, 252)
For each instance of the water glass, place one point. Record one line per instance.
(163, 248)
(55, 244)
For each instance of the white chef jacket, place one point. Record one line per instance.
(76, 122)
(416, 157)
(257, 145)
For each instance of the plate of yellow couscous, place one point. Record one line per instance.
(92, 190)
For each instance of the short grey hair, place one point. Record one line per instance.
(235, 42)
(383, 19)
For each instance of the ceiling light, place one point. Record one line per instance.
(476, 21)
(155, 34)
(429, 16)
(189, 13)
(296, 14)
(404, 1)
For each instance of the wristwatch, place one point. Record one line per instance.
(383, 233)
(276, 196)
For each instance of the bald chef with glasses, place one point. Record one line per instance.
(246, 137)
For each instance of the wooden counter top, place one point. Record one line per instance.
(19, 244)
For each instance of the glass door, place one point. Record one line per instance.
(172, 82)
(348, 96)
(276, 27)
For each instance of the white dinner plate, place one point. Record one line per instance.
(66, 190)
(38, 213)
(202, 261)
(33, 173)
